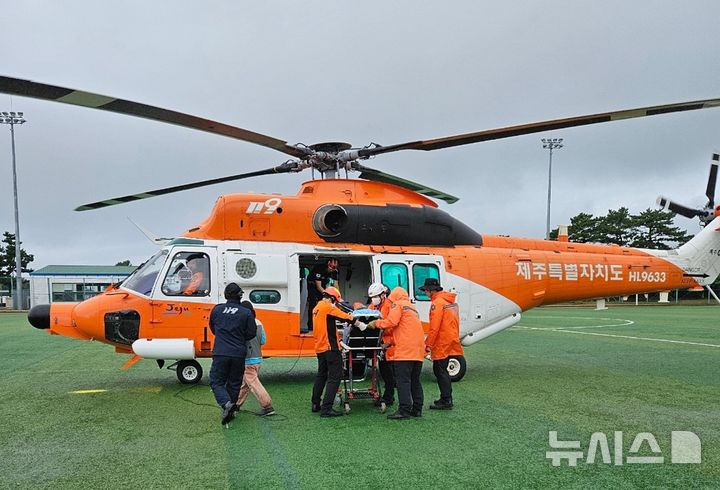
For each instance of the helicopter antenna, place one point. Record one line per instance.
(160, 241)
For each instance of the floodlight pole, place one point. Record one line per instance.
(550, 144)
(13, 118)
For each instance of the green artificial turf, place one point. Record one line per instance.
(148, 431)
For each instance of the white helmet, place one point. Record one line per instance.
(376, 289)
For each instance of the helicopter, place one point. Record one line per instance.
(380, 227)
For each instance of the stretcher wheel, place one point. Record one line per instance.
(383, 407)
(456, 368)
(347, 408)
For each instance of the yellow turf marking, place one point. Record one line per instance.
(85, 392)
(621, 336)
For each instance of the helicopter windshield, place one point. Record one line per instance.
(143, 279)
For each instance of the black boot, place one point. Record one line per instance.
(398, 415)
(228, 413)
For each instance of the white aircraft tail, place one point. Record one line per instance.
(703, 253)
(700, 257)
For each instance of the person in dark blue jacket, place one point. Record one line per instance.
(233, 325)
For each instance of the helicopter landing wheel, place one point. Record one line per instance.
(456, 368)
(189, 371)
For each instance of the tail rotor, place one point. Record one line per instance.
(708, 212)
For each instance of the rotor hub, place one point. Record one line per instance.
(331, 147)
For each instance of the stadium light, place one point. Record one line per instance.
(550, 144)
(12, 119)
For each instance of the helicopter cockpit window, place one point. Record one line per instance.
(143, 279)
(420, 273)
(394, 275)
(188, 275)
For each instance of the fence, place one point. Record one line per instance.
(7, 293)
(676, 296)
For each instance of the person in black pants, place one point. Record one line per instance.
(407, 357)
(319, 279)
(410, 392)
(327, 317)
(377, 294)
(386, 373)
(443, 339)
(233, 325)
(328, 378)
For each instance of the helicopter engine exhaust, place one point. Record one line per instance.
(329, 220)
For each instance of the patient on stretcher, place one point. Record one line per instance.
(353, 337)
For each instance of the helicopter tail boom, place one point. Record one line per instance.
(700, 257)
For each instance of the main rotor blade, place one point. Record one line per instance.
(712, 180)
(378, 176)
(510, 131)
(666, 204)
(290, 166)
(26, 88)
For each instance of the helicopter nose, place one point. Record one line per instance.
(39, 316)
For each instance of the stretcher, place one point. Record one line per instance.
(361, 351)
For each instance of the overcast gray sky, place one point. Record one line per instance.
(361, 72)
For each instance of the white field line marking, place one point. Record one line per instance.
(621, 336)
(86, 392)
(626, 324)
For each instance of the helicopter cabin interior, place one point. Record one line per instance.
(357, 272)
(353, 278)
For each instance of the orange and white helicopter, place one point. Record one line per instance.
(380, 227)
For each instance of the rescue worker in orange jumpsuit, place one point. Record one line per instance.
(404, 322)
(325, 328)
(377, 294)
(443, 338)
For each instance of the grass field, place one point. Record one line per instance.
(572, 370)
